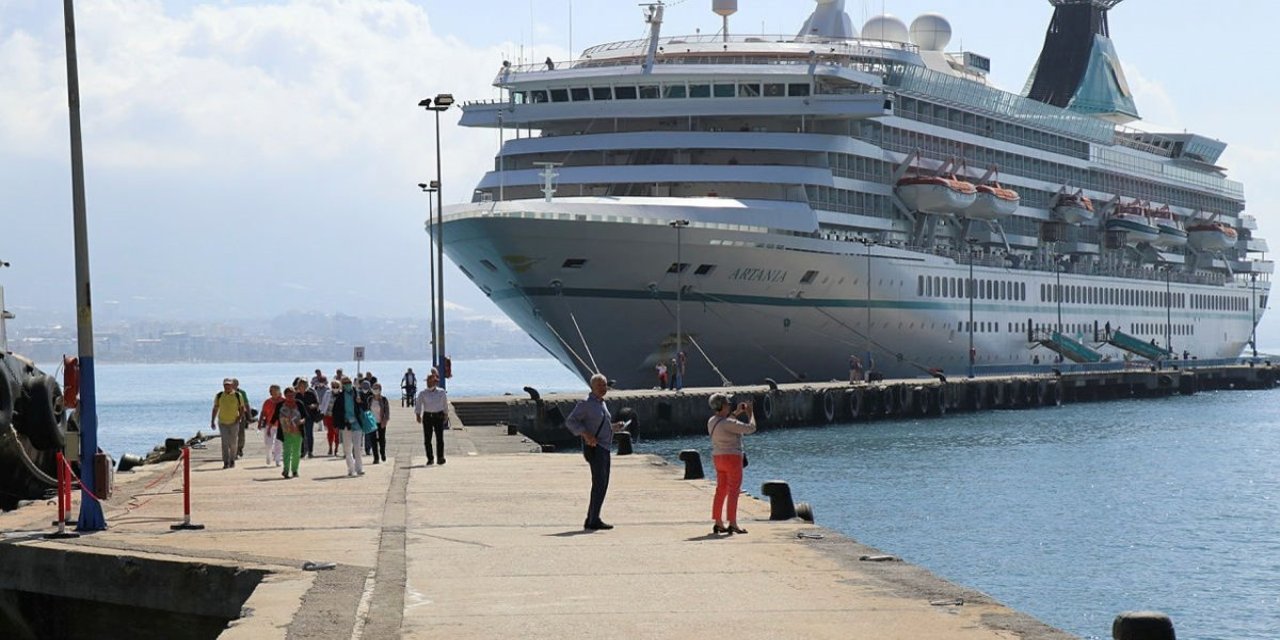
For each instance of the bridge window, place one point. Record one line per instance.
(624, 93)
(649, 92)
(674, 91)
(601, 93)
(724, 91)
(580, 94)
(559, 95)
(699, 91)
(748, 90)
(537, 96)
(797, 90)
(775, 90)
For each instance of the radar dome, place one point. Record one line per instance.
(931, 32)
(885, 27)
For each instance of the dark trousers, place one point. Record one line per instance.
(433, 423)
(244, 426)
(379, 447)
(308, 436)
(598, 458)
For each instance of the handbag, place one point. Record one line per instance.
(744, 459)
(367, 422)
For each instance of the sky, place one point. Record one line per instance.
(247, 158)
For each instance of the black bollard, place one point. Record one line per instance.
(129, 461)
(692, 464)
(624, 443)
(805, 511)
(780, 505)
(1142, 625)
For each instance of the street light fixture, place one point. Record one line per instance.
(430, 190)
(442, 103)
(969, 288)
(679, 226)
(866, 336)
(1253, 313)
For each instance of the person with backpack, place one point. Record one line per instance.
(228, 408)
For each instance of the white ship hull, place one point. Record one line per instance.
(750, 317)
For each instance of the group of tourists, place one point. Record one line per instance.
(590, 420)
(352, 412)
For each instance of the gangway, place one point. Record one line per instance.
(1069, 348)
(1134, 345)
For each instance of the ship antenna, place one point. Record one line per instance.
(548, 177)
(653, 17)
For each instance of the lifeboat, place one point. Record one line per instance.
(1211, 236)
(993, 202)
(1075, 208)
(1132, 219)
(935, 194)
(1171, 232)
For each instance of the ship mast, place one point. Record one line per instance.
(653, 16)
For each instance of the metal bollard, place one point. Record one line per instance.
(624, 443)
(1142, 625)
(781, 506)
(692, 464)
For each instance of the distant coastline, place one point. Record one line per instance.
(294, 337)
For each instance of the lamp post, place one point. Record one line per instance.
(679, 226)
(1168, 310)
(866, 336)
(969, 288)
(91, 517)
(1253, 313)
(442, 103)
(430, 190)
(1057, 293)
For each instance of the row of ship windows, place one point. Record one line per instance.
(948, 287)
(1136, 328)
(666, 91)
(945, 287)
(989, 127)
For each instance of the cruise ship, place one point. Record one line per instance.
(773, 207)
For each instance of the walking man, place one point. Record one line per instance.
(590, 420)
(410, 385)
(227, 409)
(432, 410)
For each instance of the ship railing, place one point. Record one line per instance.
(839, 46)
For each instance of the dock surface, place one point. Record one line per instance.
(491, 545)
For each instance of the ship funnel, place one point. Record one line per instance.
(1078, 68)
(724, 9)
(828, 22)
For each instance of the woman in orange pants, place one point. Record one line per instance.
(726, 450)
(331, 432)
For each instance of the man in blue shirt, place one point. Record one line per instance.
(590, 420)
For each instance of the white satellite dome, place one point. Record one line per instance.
(885, 27)
(931, 32)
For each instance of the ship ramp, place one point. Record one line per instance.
(1070, 348)
(1137, 346)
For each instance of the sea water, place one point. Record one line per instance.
(1070, 514)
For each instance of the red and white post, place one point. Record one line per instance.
(186, 494)
(64, 501)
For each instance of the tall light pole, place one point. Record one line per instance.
(679, 226)
(969, 287)
(442, 103)
(1253, 313)
(430, 190)
(91, 518)
(1057, 294)
(1168, 310)
(866, 336)
(4, 316)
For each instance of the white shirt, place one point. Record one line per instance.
(431, 400)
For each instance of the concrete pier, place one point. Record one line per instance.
(664, 413)
(489, 545)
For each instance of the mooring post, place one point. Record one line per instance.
(692, 464)
(1142, 625)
